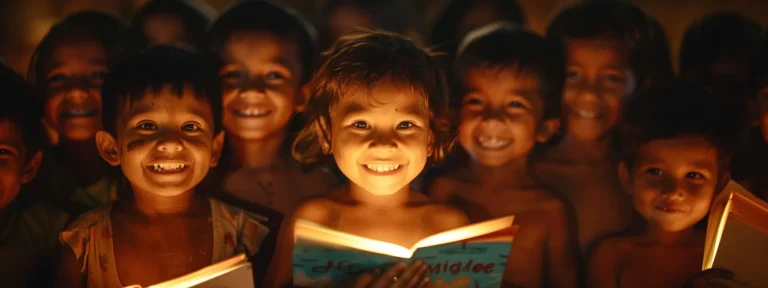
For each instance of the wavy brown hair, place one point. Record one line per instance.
(362, 60)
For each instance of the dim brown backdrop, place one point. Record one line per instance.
(24, 22)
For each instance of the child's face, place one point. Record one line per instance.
(166, 29)
(262, 84)
(73, 94)
(598, 78)
(380, 137)
(501, 115)
(165, 143)
(673, 181)
(14, 169)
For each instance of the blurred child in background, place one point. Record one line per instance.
(168, 22)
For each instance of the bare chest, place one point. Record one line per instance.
(281, 190)
(646, 267)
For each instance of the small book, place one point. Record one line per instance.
(737, 236)
(234, 272)
(469, 256)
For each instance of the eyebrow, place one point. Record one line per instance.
(528, 94)
(413, 110)
(92, 61)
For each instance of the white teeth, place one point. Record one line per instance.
(492, 142)
(167, 167)
(585, 114)
(383, 168)
(253, 112)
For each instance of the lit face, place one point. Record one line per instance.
(501, 115)
(73, 93)
(166, 29)
(165, 143)
(262, 85)
(598, 79)
(14, 169)
(380, 137)
(673, 181)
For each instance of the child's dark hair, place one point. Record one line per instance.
(677, 109)
(445, 31)
(155, 68)
(385, 14)
(507, 47)
(21, 109)
(265, 16)
(361, 60)
(720, 35)
(194, 21)
(758, 66)
(82, 26)
(609, 20)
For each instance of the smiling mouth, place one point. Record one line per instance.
(383, 168)
(586, 114)
(80, 113)
(168, 168)
(493, 143)
(252, 112)
(669, 209)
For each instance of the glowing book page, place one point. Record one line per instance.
(475, 254)
(737, 236)
(231, 273)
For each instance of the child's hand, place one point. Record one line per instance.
(712, 278)
(400, 275)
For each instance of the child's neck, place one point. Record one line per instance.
(361, 196)
(581, 150)
(514, 174)
(254, 154)
(150, 205)
(84, 157)
(668, 238)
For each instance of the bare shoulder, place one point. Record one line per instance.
(444, 217)
(318, 209)
(443, 187)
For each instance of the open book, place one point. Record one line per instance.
(234, 272)
(469, 256)
(737, 236)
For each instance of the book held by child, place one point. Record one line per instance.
(737, 236)
(235, 272)
(469, 256)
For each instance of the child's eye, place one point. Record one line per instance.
(274, 76)
(361, 125)
(5, 152)
(147, 126)
(694, 175)
(57, 78)
(190, 127)
(405, 125)
(515, 104)
(473, 101)
(231, 75)
(572, 75)
(98, 76)
(654, 171)
(613, 79)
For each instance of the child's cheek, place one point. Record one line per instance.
(136, 145)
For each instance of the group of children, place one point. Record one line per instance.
(136, 156)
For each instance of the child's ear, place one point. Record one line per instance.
(302, 97)
(108, 148)
(218, 145)
(51, 132)
(30, 169)
(321, 129)
(430, 144)
(549, 128)
(625, 178)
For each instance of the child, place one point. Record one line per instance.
(168, 22)
(511, 86)
(164, 136)
(342, 17)
(461, 16)
(68, 67)
(675, 159)
(604, 44)
(269, 55)
(27, 231)
(377, 110)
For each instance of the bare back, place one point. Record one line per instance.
(544, 245)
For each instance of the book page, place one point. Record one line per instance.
(743, 250)
(234, 272)
(466, 232)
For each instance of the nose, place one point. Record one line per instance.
(383, 141)
(589, 92)
(673, 191)
(253, 89)
(493, 114)
(77, 94)
(170, 143)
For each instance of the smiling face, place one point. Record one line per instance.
(598, 78)
(73, 94)
(380, 137)
(262, 84)
(673, 181)
(501, 115)
(165, 143)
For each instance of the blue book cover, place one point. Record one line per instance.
(470, 256)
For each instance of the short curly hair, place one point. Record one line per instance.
(363, 59)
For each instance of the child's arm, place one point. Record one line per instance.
(603, 264)
(561, 250)
(70, 274)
